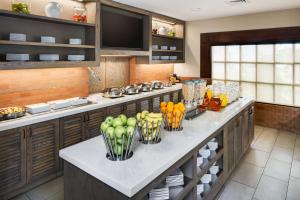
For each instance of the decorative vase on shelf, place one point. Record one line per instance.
(53, 9)
(162, 31)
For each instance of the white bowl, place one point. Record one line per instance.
(173, 57)
(164, 47)
(75, 41)
(164, 57)
(214, 169)
(205, 153)
(76, 57)
(49, 57)
(38, 108)
(47, 39)
(173, 48)
(17, 57)
(155, 47)
(17, 37)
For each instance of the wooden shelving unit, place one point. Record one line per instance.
(35, 26)
(165, 40)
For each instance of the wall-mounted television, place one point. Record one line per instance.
(122, 29)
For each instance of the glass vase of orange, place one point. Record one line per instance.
(173, 115)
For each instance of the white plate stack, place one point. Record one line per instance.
(176, 179)
(17, 37)
(172, 48)
(200, 189)
(76, 57)
(165, 57)
(47, 39)
(159, 194)
(49, 57)
(76, 101)
(38, 108)
(175, 191)
(173, 57)
(58, 104)
(17, 57)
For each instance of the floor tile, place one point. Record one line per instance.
(57, 196)
(282, 154)
(278, 169)
(263, 146)
(295, 171)
(21, 197)
(271, 189)
(248, 174)
(47, 190)
(256, 157)
(293, 189)
(257, 131)
(296, 154)
(237, 191)
(286, 140)
(298, 141)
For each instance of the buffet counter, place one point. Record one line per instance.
(104, 102)
(131, 178)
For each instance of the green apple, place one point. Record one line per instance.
(131, 121)
(117, 122)
(123, 119)
(104, 126)
(120, 141)
(130, 131)
(109, 120)
(110, 131)
(119, 131)
(118, 150)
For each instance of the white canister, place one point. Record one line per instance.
(162, 31)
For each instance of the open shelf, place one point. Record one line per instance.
(166, 36)
(167, 51)
(8, 42)
(42, 18)
(166, 61)
(204, 170)
(215, 187)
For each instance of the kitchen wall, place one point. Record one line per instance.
(275, 19)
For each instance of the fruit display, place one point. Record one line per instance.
(20, 7)
(149, 125)
(173, 115)
(11, 112)
(118, 134)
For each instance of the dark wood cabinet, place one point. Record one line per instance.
(230, 149)
(131, 109)
(93, 121)
(144, 104)
(246, 131)
(115, 110)
(238, 139)
(12, 160)
(156, 104)
(251, 124)
(72, 130)
(42, 150)
(166, 97)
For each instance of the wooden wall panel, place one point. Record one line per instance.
(22, 87)
(277, 116)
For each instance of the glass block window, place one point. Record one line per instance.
(269, 73)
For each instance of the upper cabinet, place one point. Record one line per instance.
(35, 41)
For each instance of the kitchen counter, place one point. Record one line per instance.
(104, 102)
(148, 161)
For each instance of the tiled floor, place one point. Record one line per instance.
(270, 171)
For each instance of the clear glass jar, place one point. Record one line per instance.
(79, 14)
(21, 6)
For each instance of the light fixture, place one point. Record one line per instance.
(163, 21)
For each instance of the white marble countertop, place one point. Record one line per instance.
(148, 161)
(104, 102)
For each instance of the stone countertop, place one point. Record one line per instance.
(104, 102)
(148, 161)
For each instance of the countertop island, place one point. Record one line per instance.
(132, 178)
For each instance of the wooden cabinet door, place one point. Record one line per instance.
(156, 104)
(245, 128)
(144, 104)
(93, 122)
(12, 160)
(230, 149)
(72, 130)
(115, 110)
(131, 109)
(238, 139)
(166, 97)
(251, 124)
(42, 150)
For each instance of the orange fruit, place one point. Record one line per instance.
(170, 108)
(170, 103)
(163, 104)
(163, 109)
(176, 113)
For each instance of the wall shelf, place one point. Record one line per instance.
(43, 18)
(166, 61)
(8, 42)
(168, 37)
(167, 51)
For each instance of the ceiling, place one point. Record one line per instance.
(190, 10)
